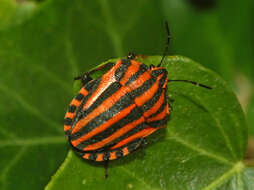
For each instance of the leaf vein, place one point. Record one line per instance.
(32, 141)
(237, 168)
(7, 133)
(220, 127)
(12, 163)
(148, 186)
(53, 77)
(198, 149)
(33, 110)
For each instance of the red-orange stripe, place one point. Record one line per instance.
(70, 115)
(166, 82)
(141, 134)
(106, 80)
(115, 135)
(146, 96)
(105, 125)
(109, 102)
(156, 106)
(99, 157)
(75, 102)
(140, 100)
(132, 69)
(125, 151)
(161, 68)
(86, 156)
(67, 127)
(140, 80)
(83, 91)
(159, 116)
(112, 155)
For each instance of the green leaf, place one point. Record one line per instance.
(216, 37)
(202, 146)
(42, 47)
(250, 113)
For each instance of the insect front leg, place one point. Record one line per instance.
(85, 78)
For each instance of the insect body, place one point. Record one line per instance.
(111, 115)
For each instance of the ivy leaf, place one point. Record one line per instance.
(202, 146)
(42, 47)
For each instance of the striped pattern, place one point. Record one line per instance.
(111, 115)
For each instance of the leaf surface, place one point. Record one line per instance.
(42, 47)
(202, 146)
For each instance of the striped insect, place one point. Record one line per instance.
(112, 115)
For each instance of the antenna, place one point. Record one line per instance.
(192, 82)
(167, 44)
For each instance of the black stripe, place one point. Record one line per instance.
(156, 73)
(122, 69)
(163, 79)
(93, 156)
(142, 89)
(143, 68)
(119, 153)
(133, 145)
(133, 131)
(79, 97)
(159, 123)
(106, 155)
(124, 102)
(161, 107)
(72, 108)
(68, 132)
(113, 143)
(114, 87)
(150, 103)
(132, 116)
(67, 121)
(126, 135)
(79, 153)
(90, 87)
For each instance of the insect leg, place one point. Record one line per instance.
(85, 78)
(106, 168)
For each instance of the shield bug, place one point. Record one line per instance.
(112, 115)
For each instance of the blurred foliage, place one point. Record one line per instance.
(250, 114)
(221, 37)
(44, 44)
